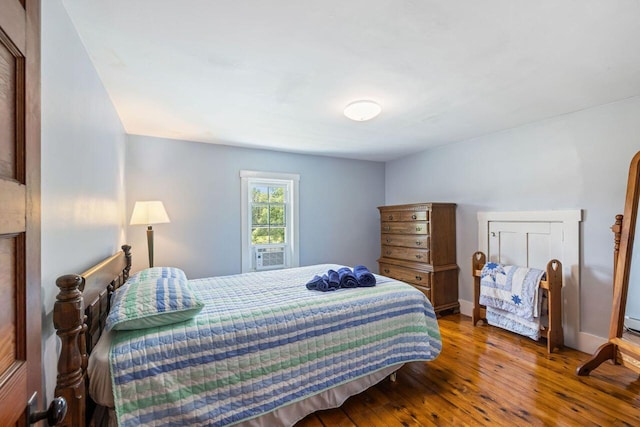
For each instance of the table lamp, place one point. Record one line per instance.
(148, 213)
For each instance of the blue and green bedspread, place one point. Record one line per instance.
(262, 341)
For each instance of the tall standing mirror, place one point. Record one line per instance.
(631, 331)
(623, 346)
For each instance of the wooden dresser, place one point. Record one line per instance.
(418, 246)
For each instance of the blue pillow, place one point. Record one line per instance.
(152, 302)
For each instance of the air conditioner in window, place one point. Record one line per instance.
(269, 257)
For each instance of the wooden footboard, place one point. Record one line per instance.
(552, 284)
(79, 316)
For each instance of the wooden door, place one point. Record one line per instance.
(20, 318)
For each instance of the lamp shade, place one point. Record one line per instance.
(146, 213)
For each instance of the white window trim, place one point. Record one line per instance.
(245, 177)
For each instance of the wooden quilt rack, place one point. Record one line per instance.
(552, 284)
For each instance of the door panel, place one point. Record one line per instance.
(527, 244)
(12, 208)
(8, 316)
(20, 371)
(7, 112)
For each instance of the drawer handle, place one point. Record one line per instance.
(390, 217)
(418, 256)
(418, 228)
(388, 252)
(387, 228)
(414, 216)
(418, 278)
(386, 270)
(388, 240)
(418, 243)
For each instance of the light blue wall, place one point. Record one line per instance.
(200, 187)
(83, 147)
(575, 161)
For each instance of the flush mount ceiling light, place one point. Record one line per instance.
(362, 110)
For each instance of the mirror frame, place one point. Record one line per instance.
(616, 349)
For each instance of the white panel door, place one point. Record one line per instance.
(532, 239)
(526, 244)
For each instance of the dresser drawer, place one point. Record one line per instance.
(407, 275)
(418, 241)
(416, 227)
(410, 254)
(404, 216)
(425, 290)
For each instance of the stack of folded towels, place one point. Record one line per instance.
(343, 278)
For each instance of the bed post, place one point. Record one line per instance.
(68, 319)
(617, 231)
(478, 260)
(127, 256)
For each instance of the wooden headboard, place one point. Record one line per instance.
(79, 316)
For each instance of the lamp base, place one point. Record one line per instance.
(150, 244)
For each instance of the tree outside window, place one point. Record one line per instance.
(268, 215)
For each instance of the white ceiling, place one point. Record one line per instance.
(277, 74)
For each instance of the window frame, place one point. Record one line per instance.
(291, 181)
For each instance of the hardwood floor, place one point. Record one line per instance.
(484, 376)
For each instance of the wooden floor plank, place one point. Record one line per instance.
(591, 401)
(433, 403)
(488, 376)
(554, 379)
(506, 368)
(310, 421)
(335, 417)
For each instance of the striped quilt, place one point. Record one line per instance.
(262, 341)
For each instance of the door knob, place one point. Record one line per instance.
(54, 414)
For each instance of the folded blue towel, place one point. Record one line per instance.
(364, 276)
(343, 278)
(325, 286)
(347, 278)
(316, 283)
(330, 285)
(321, 284)
(333, 278)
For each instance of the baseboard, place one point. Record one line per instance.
(632, 323)
(466, 307)
(587, 343)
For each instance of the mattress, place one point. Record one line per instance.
(262, 343)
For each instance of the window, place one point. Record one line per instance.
(269, 220)
(268, 204)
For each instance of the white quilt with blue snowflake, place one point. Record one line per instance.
(510, 294)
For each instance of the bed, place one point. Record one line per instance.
(263, 349)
